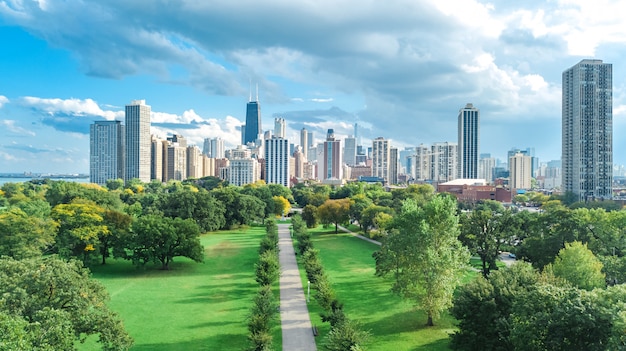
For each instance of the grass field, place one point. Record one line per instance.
(394, 323)
(194, 306)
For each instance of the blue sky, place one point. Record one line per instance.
(400, 69)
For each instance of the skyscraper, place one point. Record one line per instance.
(277, 161)
(519, 171)
(349, 151)
(280, 128)
(393, 165)
(138, 142)
(444, 161)
(106, 151)
(253, 121)
(469, 145)
(213, 148)
(587, 127)
(380, 158)
(304, 143)
(329, 165)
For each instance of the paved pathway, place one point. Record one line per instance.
(359, 235)
(294, 314)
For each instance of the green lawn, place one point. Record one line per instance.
(194, 306)
(393, 323)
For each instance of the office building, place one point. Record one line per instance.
(241, 171)
(304, 143)
(468, 143)
(393, 165)
(277, 168)
(280, 128)
(587, 130)
(138, 141)
(252, 130)
(349, 151)
(106, 151)
(213, 147)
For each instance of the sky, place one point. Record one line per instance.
(401, 69)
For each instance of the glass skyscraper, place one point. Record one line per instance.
(587, 127)
(253, 122)
(106, 151)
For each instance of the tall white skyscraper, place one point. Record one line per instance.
(380, 158)
(213, 147)
(106, 151)
(444, 161)
(138, 142)
(304, 143)
(277, 161)
(329, 163)
(349, 151)
(519, 171)
(485, 168)
(587, 127)
(280, 128)
(469, 142)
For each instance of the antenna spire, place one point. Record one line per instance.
(250, 89)
(257, 92)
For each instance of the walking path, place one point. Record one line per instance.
(294, 314)
(359, 235)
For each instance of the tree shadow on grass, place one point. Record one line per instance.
(441, 344)
(223, 342)
(403, 322)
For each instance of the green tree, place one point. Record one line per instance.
(262, 314)
(200, 206)
(53, 304)
(81, 225)
(118, 225)
(23, 236)
(424, 254)
(267, 269)
(579, 266)
(346, 336)
(309, 214)
(370, 213)
(358, 204)
(334, 211)
(160, 239)
(484, 231)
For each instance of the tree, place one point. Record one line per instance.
(267, 269)
(370, 213)
(200, 206)
(23, 236)
(52, 304)
(484, 231)
(118, 225)
(579, 266)
(309, 214)
(160, 239)
(334, 211)
(483, 308)
(358, 204)
(81, 225)
(281, 206)
(424, 254)
(346, 336)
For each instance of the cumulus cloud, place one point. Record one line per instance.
(3, 100)
(70, 107)
(11, 126)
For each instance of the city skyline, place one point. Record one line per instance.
(399, 71)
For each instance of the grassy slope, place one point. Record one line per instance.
(193, 306)
(393, 322)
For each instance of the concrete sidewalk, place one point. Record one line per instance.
(359, 235)
(294, 314)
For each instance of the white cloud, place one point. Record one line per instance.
(10, 125)
(3, 100)
(7, 157)
(73, 107)
(187, 117)
(322, 100)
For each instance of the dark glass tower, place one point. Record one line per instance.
(253, 122)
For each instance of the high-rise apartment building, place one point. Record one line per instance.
(393, 165)
(176, 162)
(213, 147)
(138, 141)
(106, 151)
(349, 151)
(194, 162)
(468, 143)
(380, 158)
(157, 158)
(486, 166)
(444, 162)
(277, 161)
(252, 130)
(587, 130)
(520, 171)
(421, 169)
(329, 164)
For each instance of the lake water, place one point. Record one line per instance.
(4, 180)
